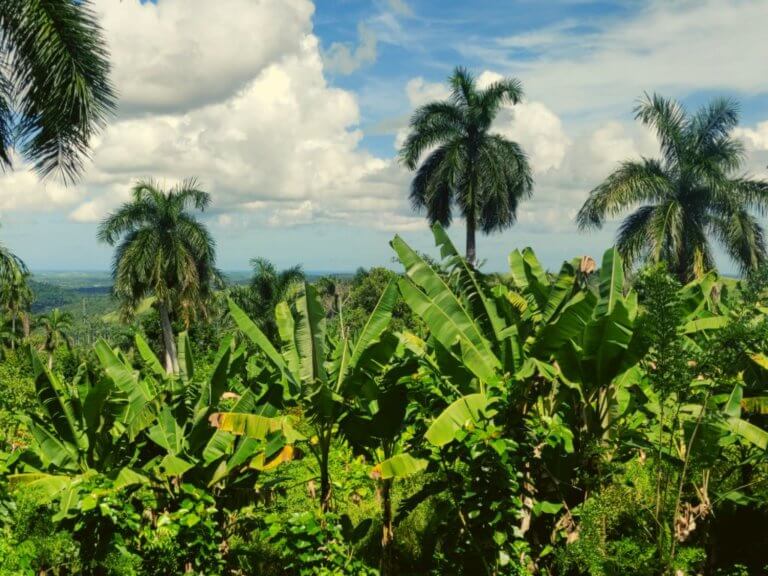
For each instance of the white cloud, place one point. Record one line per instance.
(421, 92)
(671, 47)
(756, 138)
(22, 191)
(175, 55)
(342, 59)
(272, 141)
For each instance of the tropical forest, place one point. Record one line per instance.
(432, 414)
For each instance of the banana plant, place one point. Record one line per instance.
(74, 429)
(77, 435)
(553, 340)
(181, 422)
(601, 361)
(494, 332)
(132, 426)
(320, 374)
(377, 422)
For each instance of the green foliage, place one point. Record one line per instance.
(27, 545)
(530, 423)
(266, 288)
(317, 545)
(365, 290)
(17, 398)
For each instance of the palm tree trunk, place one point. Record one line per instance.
(387, 536)
(471, 252)
(25, 324)
(171, 357)
(13, 330)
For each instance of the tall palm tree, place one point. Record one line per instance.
(55, 91)
(266, 289)
(467, 166)
(16, 297)
(163, 251)
(57, 325)
(691, 194)
(10, 266)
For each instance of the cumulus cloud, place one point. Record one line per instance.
(259, 126)
(343, 59)
(420, 92)
(756, 138)
(175, 55)
(21, 190)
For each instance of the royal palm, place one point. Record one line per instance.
(460, 164)
(691, 195)
(56, 325)
(16, 297)
(164, 252)
(266, 289)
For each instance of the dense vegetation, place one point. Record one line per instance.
(602, 420)
(528, 422)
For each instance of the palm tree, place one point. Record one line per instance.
(10, 265)
(164, 252)
(14, 292)
(57, 325)
(482, 174)
(16, 296)
(55, 91)
(689, 195)
(265, 290)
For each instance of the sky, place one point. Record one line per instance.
(290, 114)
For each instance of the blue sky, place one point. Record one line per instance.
(290, 112)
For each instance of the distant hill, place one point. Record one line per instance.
(87, 293)
(88, 299)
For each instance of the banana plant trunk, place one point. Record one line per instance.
(325, 477)
(387, 567)
(171, 356)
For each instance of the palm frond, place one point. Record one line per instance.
(632, 238)
(6, 121)
(668, 119)
(188, 194)
(743, 238)
(431, 124)
(504, 179)
(714, 121)
(435, 183)
(665, 232)
(631, 184)
(508, 90)
(463, 88)
(60, 76)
